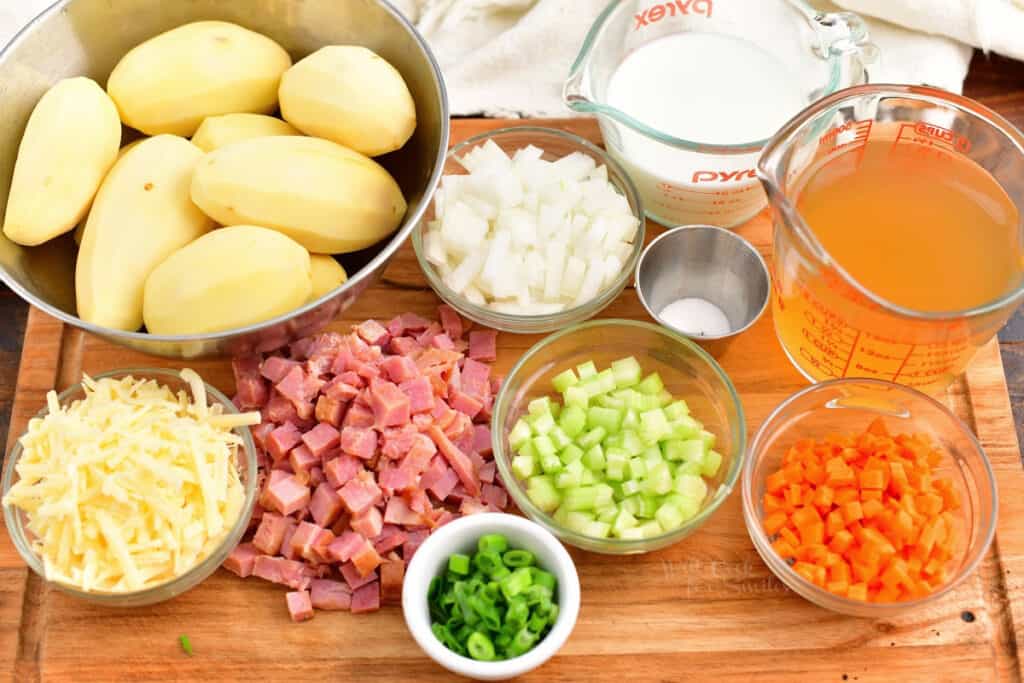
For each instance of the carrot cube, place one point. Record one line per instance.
(824, 496)
(839, 572)
(813, 553)
(872, 479)
(812, 533)
(898, 481)
(887, 594)
(872, 508)
(863, 572)
(874, 538)
(838, 587)
(804, 516)
(877, 427)
(775, 482)
(871, 494)
(784, 549)
(773, 503)
(806, 570)
(794, 473)
(794, 495)
(950, 496)
(852, 512)
(845, 477)
(774, 522)
(820, 574)
(858, 591)
(788, 535)
(846, 494)
(841, 542)
(929, 504)
(815, 473)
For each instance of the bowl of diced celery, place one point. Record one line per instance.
(618, 436)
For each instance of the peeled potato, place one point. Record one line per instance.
(69, 145)
(229, 278)
(327, 275)
(217, 131)
(80, 228)
(171, 82)
(326, 197)
(348, 94)
(142, 214)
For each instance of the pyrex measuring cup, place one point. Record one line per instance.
(685, 181)
(829, 324)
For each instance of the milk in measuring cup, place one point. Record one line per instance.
(706, 88)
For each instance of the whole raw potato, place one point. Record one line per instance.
(80, 228)
(217, 131)
(327, 274)
(348, 94)
(142, 214)
(69, 144)
(231, 277)
(326, 197)
(170, 83)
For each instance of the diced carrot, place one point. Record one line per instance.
(858, 591)
(872, 479)
(871, 494)
(872, 508)
(896, 574)
(838, 587)
(806, 570)
(824, 496)
(773, 503)
(794, 473)
(898, 482)
(790, 536)
(950, 495)
(877, 427)
(863, 572)
(839, 572)
(841, 542)
(794, 495)
(820, 574)
(775, 482)
(834, 523)
(852, 512)
(804, 516)
(846, 477)
(814, 473)
(784, 548)
(850, 455)
(929, 504)
(811, 533)
(876, 539)
(814, 553)
(846, 494)
(774, 522)
(887, 594)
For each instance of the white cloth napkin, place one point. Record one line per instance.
(509, 57)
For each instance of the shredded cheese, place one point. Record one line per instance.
(131, 486)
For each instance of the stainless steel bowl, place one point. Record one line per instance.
(88, 37)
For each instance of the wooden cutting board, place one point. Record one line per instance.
(705, 608)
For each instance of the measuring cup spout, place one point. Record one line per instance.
(572, 90)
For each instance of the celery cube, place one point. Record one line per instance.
(687, 507)
(588, 477)
(564, 380)
(677, 410)
(544, 445)
(571, 476)
(577, 521)
(560, 515)
(637, 468)
(609, 401)
(605, 495)
(627, 372)
(712, 461)
(691, 450)
(659, 480)
(652, 456)
(596, 529)
(539, 406)
(691, 467)
(685, 427)
(559, 438)
(607, 513)
(632, 534)
(615, 470)
(669, 516)
(631, 487)
(576, 396)
(646, 506)
(542, 423)
(613, 441)
(527, 448)
(608, 418)
(624, 520)
(580, 498)
(650, 529)
(708, 438)
(524, 466)
(542, 492)
(606, 380)
(594, 458)
(573, 420)
(550, 463)
(664, 398)
(654, 425)
(592, 438)
(691, 486)
(586, 370)
(631, 419)
(520, 433)
(632, 443)
(651, 384)
(571, 453)
(556, 409)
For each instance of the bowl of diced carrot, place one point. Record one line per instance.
(867, 497)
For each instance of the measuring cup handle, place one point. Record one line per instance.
(844, 34)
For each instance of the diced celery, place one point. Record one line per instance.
(652, 456)
(564, 380)
(647, 402)
(637, 468)
(627, 371)
(571, 476)
(560, 514)
(539, 406)
(691, 486)
(609, 401)
(659, 480)
(524, 466)
(542, 423)
(596, 529)
(631, 419)
(591, 438)
(650, 529)
(624, 520)
(520, 433)
(631, 504)
(631, 442)
(573, 420)
(588, 477)
(677, 409)
(607, 513)
(646, 506)
(591, 386)
(688, 507)
(613, 441)
(664, 398)
(694, 468)
(712, 461)
(545, 447)
(586, 370)
(606, 380)
(685, 427)
(633, 534)
(608, 418)
(594, 458)
(708, 438)
(577, 521)
(527, 448)
(576, 396)
(559, 438)
(669, 516)
(580, 498)
(615, 463)
(605, 495)
(542, 492)
(617, 494)
(556, 409)
(630, 487)
(571, 453)
(691, 450)
(632, 397)
(654, 426)
(550, 463)
(651, 384)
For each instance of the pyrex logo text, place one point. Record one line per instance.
(724, 176)
(670, 9)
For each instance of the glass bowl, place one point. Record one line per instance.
(555, 144)
(688, 372)
(848, 406)
(247, 470)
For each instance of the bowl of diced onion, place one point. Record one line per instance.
(132, 486)
(618, 436)
(531, 230)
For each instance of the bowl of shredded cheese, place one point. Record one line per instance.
(131, 487)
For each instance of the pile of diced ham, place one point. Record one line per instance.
(369, 442)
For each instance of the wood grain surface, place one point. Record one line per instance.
(705, 608)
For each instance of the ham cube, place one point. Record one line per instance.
(275, 368)
(419, 456)
(369, 523)
(251, 389)
(404, 346)
(359, 441)
(483, 345)
(412, 543)
(451, 321)
(494, 495)
(482, 439)
(299, 605)
(304, 538)
(424, 337)
(389, 404)
(340, 390)
(287, 495)
(260, 433)
(353, 578)
(442, 341)
(458, 460)
(358, 415)
(460, 430)
(360, 493)
(319, 365)
(329, 411)
(399, 512)
(442, 517)
(345, 546)
(279, 410)
(321, 439)
(392, 574)
(391, 537)
(399, 369)
(242, 559)
(282, 440)
(392, 479)
(302, 459)
(318, 551)
(286, 540)
(366, 559)
(411, 322)
(316, 477)
(366, 598)
(488, 472)
(476, 379)
(270, 533)
(278, 570)
(293, 386)
(341, 469)
(325, 505)
(466, 404)
(301, 348)
(330, 595)
(444, 485)
(372, 332)
(419, 393)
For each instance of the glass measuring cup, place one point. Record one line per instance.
(829, 324)
(687, 181)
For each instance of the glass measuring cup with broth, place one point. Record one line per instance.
(899, 214)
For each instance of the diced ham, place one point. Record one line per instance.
(282, 440)
(359, 441)
(321, 439)
(327, 344)
(424, 337)
(345, 546)
(454, 382)
(372, 332)
(251, 390)
(399, 512)
(392, 479)
(301, 348)
(457, 459)
(304, 538)
(316, 476)
(360, 493)
(275, 368)
(289, 573)
(442, 341)
(366, 559)
(318, 551)
(302, 459)
(494, 495)
(358, 415)
(260, 433)
(325, 505)
(483, 345)
(286, 539)
(366, 598)
(434, 358)
(451, 321)
(390, 537)
(368, 523)
(279, 410)
(242, 559)
(409, 322)
(420, 394)
(419, 455)
(339, 470)
(330, 595)
(389, 404)
(340, 390)
(330, 411)
(466, 404)
(444, 485)
(412, 543)
(319, 365)
(392, 573)
(404, 346)
(476, 379)
(287, 495)
(353, 578)
(482, 439)
(488, 472)
(444, 415)
(299, 605)
(293, 386)
(442, 517)
(270, 533)
(399, 369)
